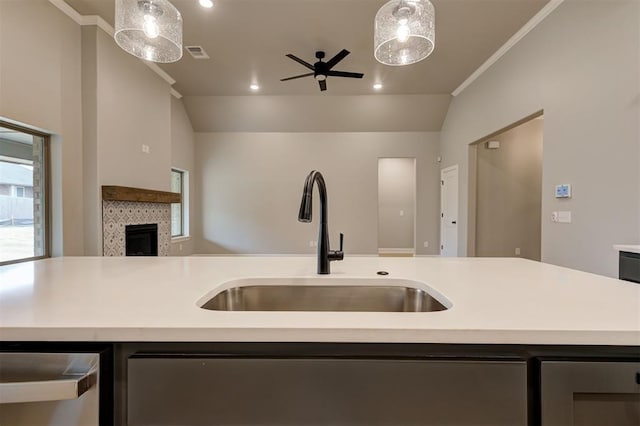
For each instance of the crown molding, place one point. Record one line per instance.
(528, 27)
(68, 10)
(79, 19)
(98, 22)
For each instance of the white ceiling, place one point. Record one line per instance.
(247, 41)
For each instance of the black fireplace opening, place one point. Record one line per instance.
(141, 240)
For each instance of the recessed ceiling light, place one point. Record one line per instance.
(254, 87)
(377, 86)
(206, 3)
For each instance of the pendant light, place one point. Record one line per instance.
(404, 32)
(149, 29)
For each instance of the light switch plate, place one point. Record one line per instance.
(564, 217)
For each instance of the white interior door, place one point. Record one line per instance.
(449, 211)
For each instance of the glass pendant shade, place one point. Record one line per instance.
(404, 32)
(149, 29)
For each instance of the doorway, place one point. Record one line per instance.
(396, 206)
(449, 211)
(508, 191)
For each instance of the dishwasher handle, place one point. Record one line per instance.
(63, 388)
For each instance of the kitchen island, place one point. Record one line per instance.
(515, 334)
(493, 301)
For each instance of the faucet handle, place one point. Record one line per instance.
(337, 254)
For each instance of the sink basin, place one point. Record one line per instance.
(324, 294)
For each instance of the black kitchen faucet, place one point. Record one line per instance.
(325, 255)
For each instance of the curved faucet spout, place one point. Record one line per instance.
(324, 254)
(307, 195)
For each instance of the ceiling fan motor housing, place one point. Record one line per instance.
(321, 70)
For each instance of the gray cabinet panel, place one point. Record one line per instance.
(326, 391)
(629, 266)
(590, 393)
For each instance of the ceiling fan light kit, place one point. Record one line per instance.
(404, 32)
(149, 29)
(322, 70)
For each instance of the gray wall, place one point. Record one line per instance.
(125, 105)
(581, 65)
(326, 113)
(92, 197)
(396, 202)
(509, 185)
(182, 157)
(40, 87)
(251, 184)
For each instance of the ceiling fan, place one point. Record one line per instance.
(322, 70)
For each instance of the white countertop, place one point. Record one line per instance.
(628, 248)
(505, 301)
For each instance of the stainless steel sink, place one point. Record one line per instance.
(323, 294)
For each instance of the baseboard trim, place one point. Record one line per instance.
(396, 252)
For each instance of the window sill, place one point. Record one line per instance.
(180, 239)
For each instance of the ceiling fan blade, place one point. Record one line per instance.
(340, 56)
(345, 74)
(300, 61)
(297, 76)
(323, 85)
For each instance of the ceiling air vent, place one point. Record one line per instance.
(197, 52)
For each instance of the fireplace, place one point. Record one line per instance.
(125, 206)
(141, 240)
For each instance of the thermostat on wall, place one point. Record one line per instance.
(563, 191)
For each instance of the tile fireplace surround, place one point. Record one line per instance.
(122, 206)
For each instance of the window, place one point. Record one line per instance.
(24, 211)
(178, 178)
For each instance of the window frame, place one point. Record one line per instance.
(183, 211)
(46, 192)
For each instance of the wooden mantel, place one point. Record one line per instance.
(124, 193)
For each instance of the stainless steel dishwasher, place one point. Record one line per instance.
(49, 388)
